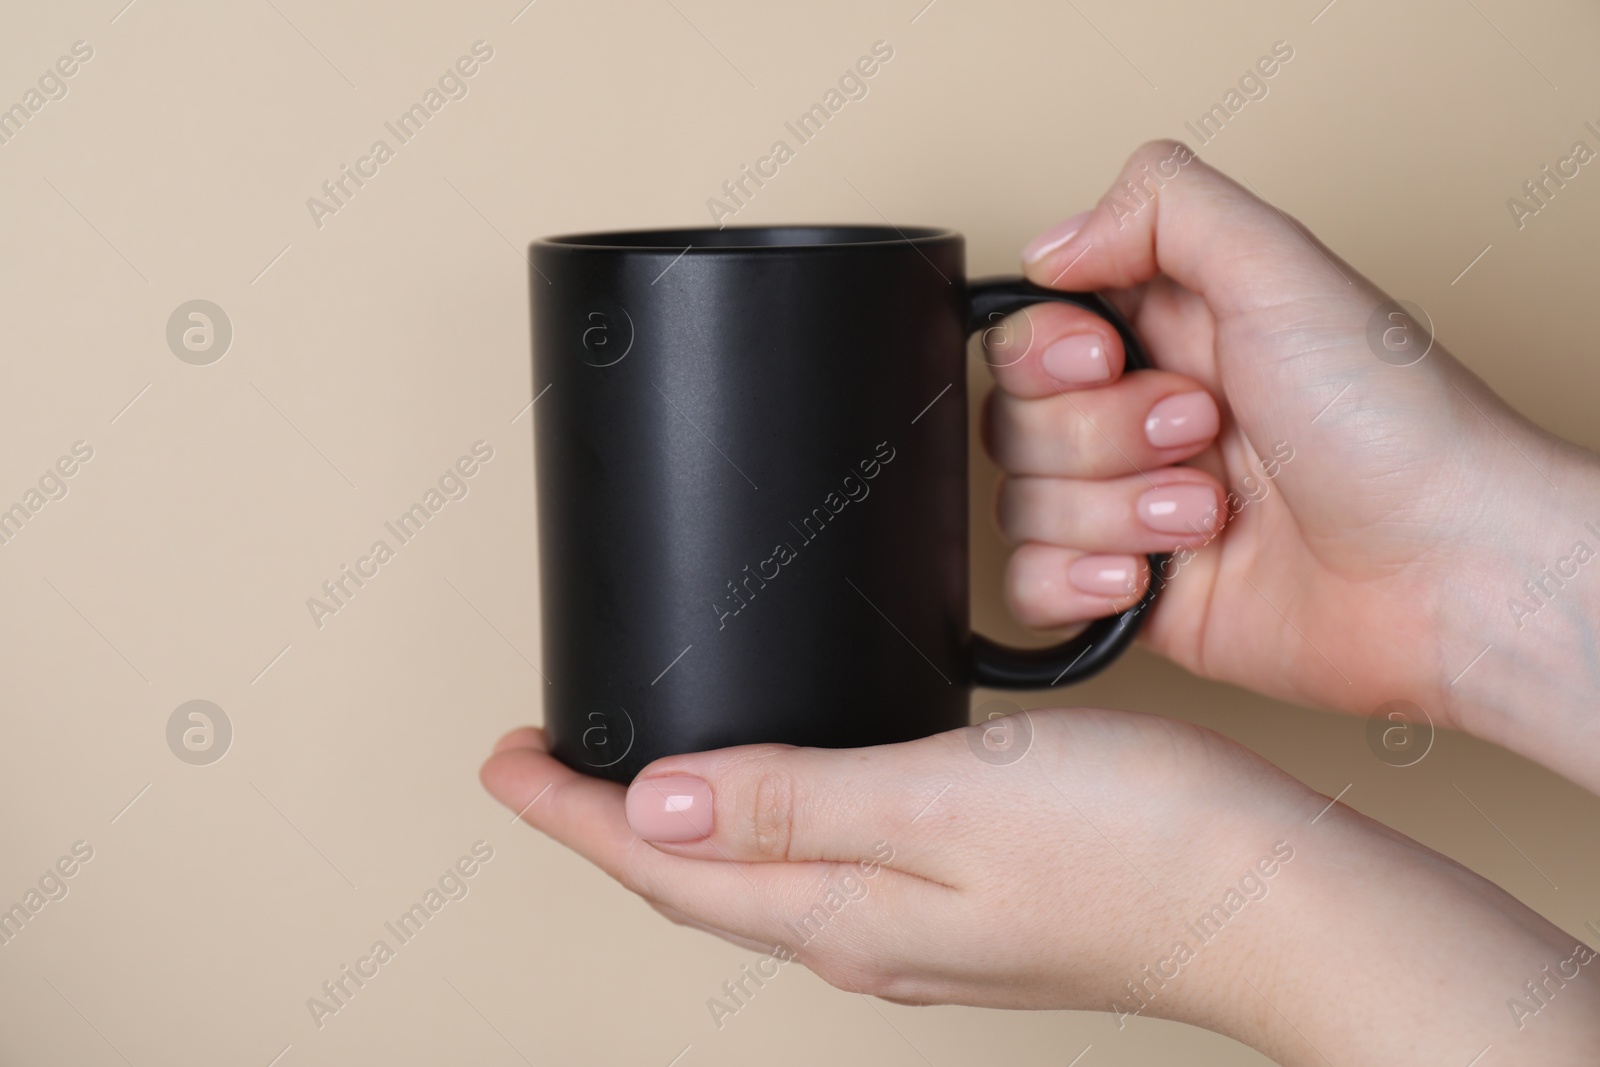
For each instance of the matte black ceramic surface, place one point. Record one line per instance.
(751, 448)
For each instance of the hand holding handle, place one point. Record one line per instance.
(998, 666)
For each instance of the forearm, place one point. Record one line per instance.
(1375, 950)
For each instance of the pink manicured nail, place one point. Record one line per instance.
(1077, 360)
(674, 808)
(1179, 509)
(1185, 419)
(1054, 237)
(1116, 576)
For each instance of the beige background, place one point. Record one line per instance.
(371, 352)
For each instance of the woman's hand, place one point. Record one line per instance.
(1075, 859)
(1382, 518)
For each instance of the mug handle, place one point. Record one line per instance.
(997, 666)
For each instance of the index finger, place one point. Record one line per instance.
(1050, 347)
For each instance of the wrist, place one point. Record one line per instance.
(1518, 634)
(1231, 840)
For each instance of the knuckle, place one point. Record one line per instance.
(1031, 593)
(1157, 148)
(770, 813)
(909, 990)
(875, 978)
(1028, 608)
(1080, 442)
(1024, 434)
(1004, 508)
(1030, 510)
(851, 972)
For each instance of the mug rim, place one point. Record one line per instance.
(757, 238)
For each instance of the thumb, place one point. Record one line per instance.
(1291, 336)
(779, 804)
(1169, 212)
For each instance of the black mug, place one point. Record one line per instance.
(751, 451)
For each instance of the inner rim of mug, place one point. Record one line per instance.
(749, 238)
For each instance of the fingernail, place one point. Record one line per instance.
(1185, 419)
(1054, 237)
(1179, 509)
(1115, 576)
(1077, 360)
(673, 808)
